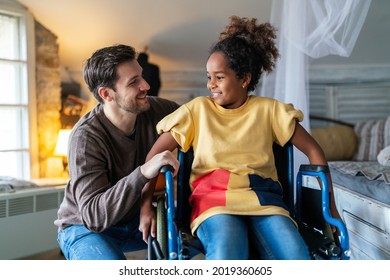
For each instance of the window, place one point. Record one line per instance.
(16, 96)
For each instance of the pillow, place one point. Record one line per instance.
(384, 156)
(373, 136)
(337, 141)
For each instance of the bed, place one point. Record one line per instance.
(359, 160)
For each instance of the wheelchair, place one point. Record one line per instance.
(309, 207)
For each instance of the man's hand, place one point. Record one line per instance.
(151, 168)
(147, 223)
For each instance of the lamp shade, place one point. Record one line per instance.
(62, 143)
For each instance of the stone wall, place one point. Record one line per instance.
(48, 96)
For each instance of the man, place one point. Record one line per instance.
(99, 216)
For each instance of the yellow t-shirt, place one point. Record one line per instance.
(232, 147)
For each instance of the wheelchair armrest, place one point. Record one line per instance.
(321, 172)
(314, 168)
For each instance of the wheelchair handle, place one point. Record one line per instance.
(322, 175)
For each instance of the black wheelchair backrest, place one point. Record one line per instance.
(284, 162)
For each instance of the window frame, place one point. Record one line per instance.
(27, 45)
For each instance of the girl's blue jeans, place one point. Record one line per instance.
(79, 243)
(275, 237)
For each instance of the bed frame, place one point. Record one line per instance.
(368, 224)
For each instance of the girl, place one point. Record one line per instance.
(236, 194)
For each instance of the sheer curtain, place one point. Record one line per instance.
(308, 30)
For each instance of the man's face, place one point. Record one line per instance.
(131, 89)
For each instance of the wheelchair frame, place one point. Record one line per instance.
(174, 241)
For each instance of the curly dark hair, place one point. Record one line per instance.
(100, 68)
(248, 47)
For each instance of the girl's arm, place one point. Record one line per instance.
(309, 146)
(163, 147)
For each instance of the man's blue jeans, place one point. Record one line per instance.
(275, 237)
(79, 243)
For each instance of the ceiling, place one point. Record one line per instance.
(178, 32)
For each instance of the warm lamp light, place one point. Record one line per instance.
(62, 143)
(62, 146)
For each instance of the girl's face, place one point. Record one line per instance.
(226, 89)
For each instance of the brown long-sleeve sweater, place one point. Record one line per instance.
(105, 179)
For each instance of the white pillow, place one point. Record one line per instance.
(384, 156)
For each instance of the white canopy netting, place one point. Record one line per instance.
(309, 30)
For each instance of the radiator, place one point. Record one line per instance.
(26, 221)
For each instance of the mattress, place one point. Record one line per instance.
(367, 178)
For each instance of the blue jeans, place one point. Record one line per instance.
(226, 237)
(79, 243)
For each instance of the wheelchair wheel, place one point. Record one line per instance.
(162, 237)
